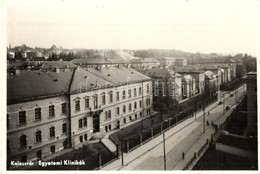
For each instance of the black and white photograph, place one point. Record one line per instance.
(140, 85)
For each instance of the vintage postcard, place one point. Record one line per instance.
(109, 85)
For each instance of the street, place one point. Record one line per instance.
(187, 137)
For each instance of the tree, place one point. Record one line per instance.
(240, 71)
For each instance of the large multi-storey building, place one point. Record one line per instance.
(37, 114)
(49, 111)
(167, 86)
(251, 80)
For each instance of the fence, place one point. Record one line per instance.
(131, 142)
(196, 156)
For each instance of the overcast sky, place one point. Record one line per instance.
(193, 25)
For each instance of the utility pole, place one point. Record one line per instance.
(236, 94)
(204, 119)
(224, 99)
(122, 153)
(164, 154)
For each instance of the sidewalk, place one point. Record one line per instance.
(149, 155)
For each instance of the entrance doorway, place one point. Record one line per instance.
(118, 124)
(96, 124)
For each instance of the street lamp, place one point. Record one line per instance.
(224, 99)
(164, 153)
(121, 148)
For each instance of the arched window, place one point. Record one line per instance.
(103, 98)
(130, 107)
(117, 110)
(109, 114)
(135, 105)
(124, 109)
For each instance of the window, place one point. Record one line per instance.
(63, 108)
(106, 115)
(135, 92)
(148, 102)
(117, 96)
(22, 117)
(95, 101)
(86, 103)
(135, 105)
(125, 120)
(85, 137)
(103, 98)
(38, 136)
(129, 93)
(52, 132)
(124, 109)
(109, 114)
(51, 111)
(52, 148)
(111, 96)
(39, 155)
(123, 94)
(23, 141)
(140, 103)
(156, 89)
(37, 114)
(148, 88)
(85, 122)
(64, 127)
(130, 107)
(140, 90)
(77, 105)
(117, 110)
(80, 123)
(81, 139)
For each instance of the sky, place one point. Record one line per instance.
(204, 26)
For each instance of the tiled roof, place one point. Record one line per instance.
(85, 80)
(57, 64)
(35, 84)
(144, 60)
(160, 72)
(119, 75)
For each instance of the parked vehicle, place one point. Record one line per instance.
(227, 107)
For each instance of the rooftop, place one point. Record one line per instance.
(28, 85)
(161, 72)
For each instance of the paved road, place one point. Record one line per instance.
(186, 137)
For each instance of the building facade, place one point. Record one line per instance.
(49, 111)
(251, 82)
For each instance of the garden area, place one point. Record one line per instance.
(134, 135)
(89, 153)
